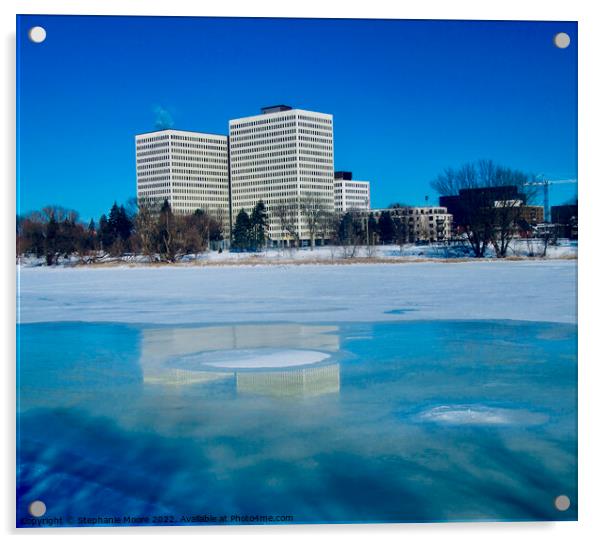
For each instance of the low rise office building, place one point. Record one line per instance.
(566, 217)
(350, 194)
(506, 203)
(419, 224)
(532, 215)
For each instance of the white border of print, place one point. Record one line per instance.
(590, 175)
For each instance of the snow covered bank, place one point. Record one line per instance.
(519, 248)
(523, 290)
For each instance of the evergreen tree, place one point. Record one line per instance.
(258, 227)
(216, 232)
(116, 232)
(51, 238)
(114, 221)
(386, 228)
(241, 232)
(350, 231)
(124, 224)
(90, 241)
(401, 231)
(67, 236)
(104, 233)
(372, 227)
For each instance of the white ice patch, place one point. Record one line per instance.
(259, 358)
(532, 291)
(480, 414)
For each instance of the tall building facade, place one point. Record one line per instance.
(188, 169)
(284, 157)
(350, 194)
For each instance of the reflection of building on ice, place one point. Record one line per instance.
(175, 356)
(177, 376)
(291, 382)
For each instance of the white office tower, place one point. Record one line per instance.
(350, 194)
(188, 169)
(283, 157)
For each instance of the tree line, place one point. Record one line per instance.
(487, 201)
(350, 229)
(149, 229)
(155, 231)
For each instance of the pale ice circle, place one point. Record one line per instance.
(562, 502)
(37, 508)
(258, 358)
(562, 40)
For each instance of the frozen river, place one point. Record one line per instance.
(534, 291)
(419, 392)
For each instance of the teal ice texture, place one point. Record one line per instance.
(409, 421)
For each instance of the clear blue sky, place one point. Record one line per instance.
(409, 98)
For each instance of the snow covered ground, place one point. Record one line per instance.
(534, 290)
(519, 248)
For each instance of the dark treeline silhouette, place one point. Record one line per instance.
(152, 230)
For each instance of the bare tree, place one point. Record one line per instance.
(506, 208)
(288, 217)
(423, 231)
(370, 250)
(327, 225)
(451, 181)
(506, 212)
(313, 210)
(168, 234)
(482, 174)
(489, 213)
(400, 231)
(350, 233)
(52, 232)
(548, 236)
(146, 227)
(476, 221)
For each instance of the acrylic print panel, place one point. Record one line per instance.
(295, 271)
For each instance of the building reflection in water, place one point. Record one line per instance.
(292, 382)
(163, 349)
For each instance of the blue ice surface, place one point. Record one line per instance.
(412, 421)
